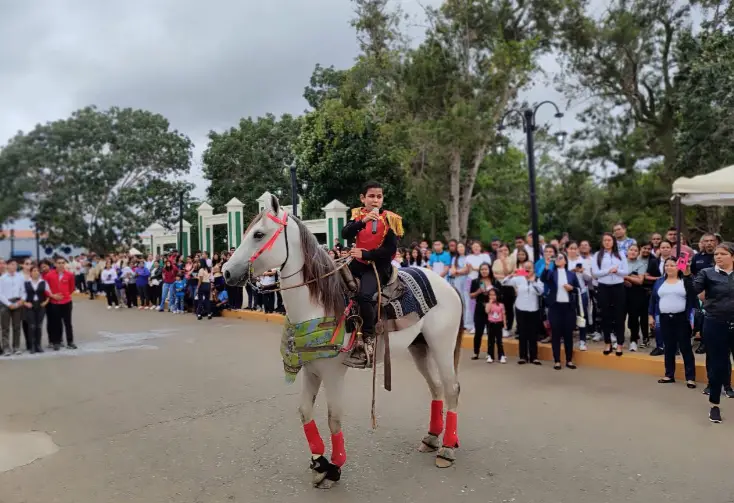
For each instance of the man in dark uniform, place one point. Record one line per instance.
(374, 232)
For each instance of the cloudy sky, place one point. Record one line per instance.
(203, 65)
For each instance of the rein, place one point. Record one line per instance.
(283, 223)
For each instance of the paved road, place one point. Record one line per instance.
(159, 408)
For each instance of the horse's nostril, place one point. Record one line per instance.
(227, 274)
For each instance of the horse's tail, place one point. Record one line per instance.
(459, 334)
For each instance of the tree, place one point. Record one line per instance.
(99, 178)
(705, 135)
(455, 87)
(15, 184)
(246, 161)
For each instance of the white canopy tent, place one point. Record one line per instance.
(711, 189)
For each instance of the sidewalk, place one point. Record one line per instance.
(638, 363)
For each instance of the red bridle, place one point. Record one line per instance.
(269, 245)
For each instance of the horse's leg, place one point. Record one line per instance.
(419, 351)
(333, 377)
(311, 385)
(446, 370)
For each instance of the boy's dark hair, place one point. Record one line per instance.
(520, 238)
(370, 185)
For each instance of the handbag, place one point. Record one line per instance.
(580, 320)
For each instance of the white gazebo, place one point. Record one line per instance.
(158, 238)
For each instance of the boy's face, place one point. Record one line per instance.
(438, 246)
(372, 199)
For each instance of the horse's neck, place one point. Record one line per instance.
(297, 301)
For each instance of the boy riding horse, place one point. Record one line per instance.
(375, 232)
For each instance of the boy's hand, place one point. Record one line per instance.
(356, 252)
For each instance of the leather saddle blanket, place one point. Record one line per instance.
(406, 298)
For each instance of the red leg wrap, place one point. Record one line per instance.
(314, 438)
(338, 453)
(436, 426)
(450, 437)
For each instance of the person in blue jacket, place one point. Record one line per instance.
(561, 297)
(141, 282)
(672, 301)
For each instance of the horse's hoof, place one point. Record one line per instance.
(325, 484)
(430, 443)
(325, 473)
(445, 457)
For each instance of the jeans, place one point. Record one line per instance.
(676, 331)
(204, 305)
(35, 316)
(719, 347)
(179, 303)
(170, 292)
(637, 305)
(585, 314)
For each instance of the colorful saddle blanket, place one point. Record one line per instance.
(416, 299)
(308, 341)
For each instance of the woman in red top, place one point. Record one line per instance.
(169, 278)
(62, 283)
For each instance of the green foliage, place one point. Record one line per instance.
(246, 161)
(99, 178)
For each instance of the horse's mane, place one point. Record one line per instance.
(326, 290)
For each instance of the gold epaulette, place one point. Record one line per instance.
(395, 222)
(356, 213)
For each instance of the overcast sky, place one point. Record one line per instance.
(203, 65)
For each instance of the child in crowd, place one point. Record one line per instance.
(497, 323)
(180, 291)
(222, 301)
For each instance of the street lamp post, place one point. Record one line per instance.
(529, 126)
(294, 189)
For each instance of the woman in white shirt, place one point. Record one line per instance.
(527, 290)
(473, 262)
(37, 294)
(672, 302)
(108, 277)
(609, 267)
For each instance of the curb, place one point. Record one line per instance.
(636, 363)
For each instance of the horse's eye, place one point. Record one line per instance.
(258, 235)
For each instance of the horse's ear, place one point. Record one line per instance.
(275, 205)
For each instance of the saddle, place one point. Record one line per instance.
(392, 290)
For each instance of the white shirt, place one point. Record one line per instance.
(584, 277)
(527, 293)
(267, 280)
(11, 287)
(109, 276)
(475, 261)
(587, 270)
(672, 297)
(562, 294)
(34, 285)
(607, 262)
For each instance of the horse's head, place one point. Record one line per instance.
(267, 244)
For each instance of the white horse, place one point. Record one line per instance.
(275, 239)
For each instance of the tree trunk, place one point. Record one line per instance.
(713, 219)
(467, 191)
(454, 206)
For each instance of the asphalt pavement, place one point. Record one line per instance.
(158, 408)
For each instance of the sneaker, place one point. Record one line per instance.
(489, 359)
(109, 307)
(141, 307)
(209, 317)
(701, 349)
(633, 346)
(715, 414)
(729, 393)
(657, 352)
(17, 352)
(582, 346)
(614, 339)
(198, 317)
(71, 346)
(117, 307)
(506, 333)
(597, 337)
(707, 390)
(503, 359)
(471, 331)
